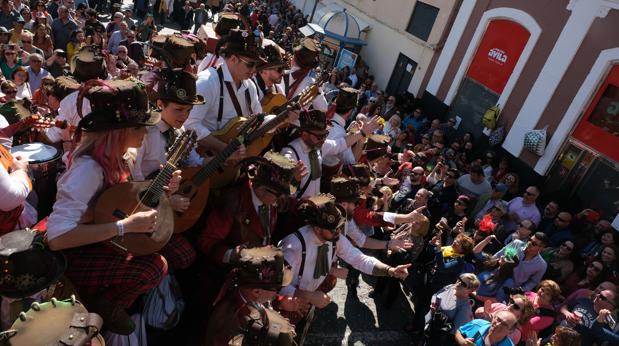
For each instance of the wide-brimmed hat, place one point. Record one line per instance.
(88, 63)
(313, 120)
(377, 146)
(178, 86)
(174, 49)
(321, 211)
(274, 171)
(117, 104)
(345, 189)
(227, 21)
(245, 44)
(56, 322)
(63, 86)
(27, 265)
(307, 52)
(361, 171)
(346, 98)
(274, 57)
(262, 267)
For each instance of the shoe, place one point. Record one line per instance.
(115, 318)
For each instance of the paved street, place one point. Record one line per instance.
(354, 320)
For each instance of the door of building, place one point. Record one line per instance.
(401, 76)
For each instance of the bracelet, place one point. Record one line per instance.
(121, 228)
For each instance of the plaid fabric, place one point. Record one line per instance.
(99, 269)
(179, 253)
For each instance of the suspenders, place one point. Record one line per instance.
(309, 179)
(304, 252)
(235, 101)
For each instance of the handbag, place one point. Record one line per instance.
(535, 141)
(164, 304)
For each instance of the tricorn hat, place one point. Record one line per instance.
(27, 265)
(178, 86)
(88, 63)
(377, 146)
(321, 211)
(117, 104)
(313, 120)
(262, 267)
(274, 57)
(56, 322)
(346, 98)
(245, 44)
(306, 54)
(345, 189)
(274, 171)
(361, 171)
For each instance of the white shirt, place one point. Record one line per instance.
(338, 131)
(330, 147)
(68, 111)
(152, 153)
(291, 247)
(203, 118)
(13, 190)
(352, 231)
(5, 142)
(76, 190)
(274, 88)
(319, 101)
(207, 60)
(23, 92)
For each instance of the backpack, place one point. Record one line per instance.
(491, 116)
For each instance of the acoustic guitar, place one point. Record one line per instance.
(122, 200)
(35, 122)
(259, 139)
(196, 185)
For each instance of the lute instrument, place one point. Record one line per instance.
(196, 185)
(257, 141)
(36, 122)
(122, 200)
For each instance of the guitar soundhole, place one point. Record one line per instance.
(186, 190)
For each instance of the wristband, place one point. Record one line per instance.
(121, 228)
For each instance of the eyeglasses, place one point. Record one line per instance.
(249, 64)
(319, 136)
(515, 306)
(462, 283)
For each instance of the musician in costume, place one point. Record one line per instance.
(88, 63)
(241, 312)
(312, 250)
(270, 74)
(175, 99)
(301, 74)
(226, 22)
(247, 212)
(15, 185)
(228, 89)
(107, 279)
(313, 144)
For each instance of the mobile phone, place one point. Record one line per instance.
(611, 321)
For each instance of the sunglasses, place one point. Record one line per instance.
(249, 64)
(462, 283)
(604, 299)
(515, 306)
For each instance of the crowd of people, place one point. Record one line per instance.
(270, 176)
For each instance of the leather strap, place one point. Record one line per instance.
(84, 327)
(303, 253)
(309, 179)
(220, 112)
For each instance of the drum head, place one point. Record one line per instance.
(35, 152)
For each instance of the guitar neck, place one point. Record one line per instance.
(212, 166)
(155, 189)
(12, 129)
(267, 127)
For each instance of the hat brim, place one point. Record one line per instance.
(197, 100)
(272, 65)
(96, 126)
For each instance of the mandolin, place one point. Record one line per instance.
(195, 184)
(34, 121)
(259, 139)
(122, 200)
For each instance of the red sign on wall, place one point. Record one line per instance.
(599, 126)
(498, 54)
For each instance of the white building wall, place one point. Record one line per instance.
(387, 37)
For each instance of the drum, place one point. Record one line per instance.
(44, 163)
